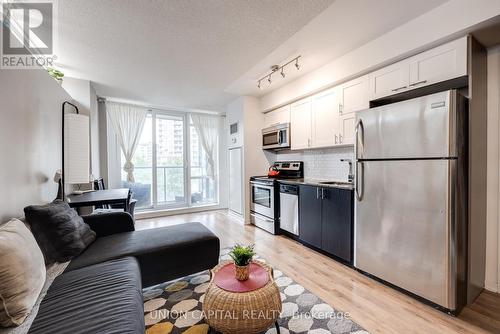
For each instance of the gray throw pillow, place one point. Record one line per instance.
(59, 231)
(22, 273)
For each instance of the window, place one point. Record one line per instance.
(169, 143)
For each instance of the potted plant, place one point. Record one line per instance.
(56, 74)
(242, 257)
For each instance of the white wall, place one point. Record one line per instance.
(493, 230)
(254, 158)
(246, 111)
(430, 29)
(30, 139)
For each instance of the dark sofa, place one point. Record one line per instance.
(101, 290)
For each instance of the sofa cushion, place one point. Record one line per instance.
(103, 298)
(59, 231)
(163, 253)
(22, 273)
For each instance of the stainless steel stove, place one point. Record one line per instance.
(264, 205)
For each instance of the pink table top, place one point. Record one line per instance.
(225, 278)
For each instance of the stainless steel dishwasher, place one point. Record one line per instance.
(289, 208)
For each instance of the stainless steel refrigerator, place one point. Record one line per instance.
(411, 196)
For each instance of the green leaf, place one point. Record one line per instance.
(242, 255)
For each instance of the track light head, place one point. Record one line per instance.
(297, 64)
(269, 79)
(282, 72)
(259, 85)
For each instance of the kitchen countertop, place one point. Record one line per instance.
(319, 183)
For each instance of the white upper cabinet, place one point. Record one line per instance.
(445, 62)
(442, 63)
(300, 127)
(390, 80)
(277, 116)
(325, 117)
(353, 96)
(347, 124)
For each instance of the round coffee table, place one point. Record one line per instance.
(251, 306)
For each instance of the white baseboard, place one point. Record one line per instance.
(491, 286)
(176, 211)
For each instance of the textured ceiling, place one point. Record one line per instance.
(174, 53)
(341, 28)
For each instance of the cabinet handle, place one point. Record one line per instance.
(322, 193)
(308, 142)
(418, 83)
(317, 193)
(340, 139)
(341, 108)
(399, 88)
(336, 139)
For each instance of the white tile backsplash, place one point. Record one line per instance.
(322, 163)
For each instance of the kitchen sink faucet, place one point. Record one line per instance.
(350, 176)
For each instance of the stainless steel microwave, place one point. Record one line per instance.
(276, 137)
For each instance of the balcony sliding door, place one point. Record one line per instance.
(170, 161)
(170, 144)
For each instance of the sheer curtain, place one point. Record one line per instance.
(207, 127)
(127, 121)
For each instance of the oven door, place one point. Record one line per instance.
(262, 199)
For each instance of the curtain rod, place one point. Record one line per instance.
(192, 111)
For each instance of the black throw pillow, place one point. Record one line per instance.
(59, 231)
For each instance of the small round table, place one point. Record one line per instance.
(250, 306)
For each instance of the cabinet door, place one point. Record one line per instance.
(353, 96)
(310, 216)
(337, 222)
(443, 63)
(325, 119)
(390, 80)
(277, 116)
(300, 127)
(347, 125)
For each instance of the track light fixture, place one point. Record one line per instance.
(276, 68)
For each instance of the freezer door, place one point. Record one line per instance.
(403, 226)
(417, 128)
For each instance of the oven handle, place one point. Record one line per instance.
(262, 185)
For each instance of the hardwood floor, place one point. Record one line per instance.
(374, 306)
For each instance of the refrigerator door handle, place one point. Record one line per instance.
(359, 144)
(359, 186)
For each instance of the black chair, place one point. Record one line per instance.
(99, 185)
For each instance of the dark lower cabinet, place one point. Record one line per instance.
(309, 216)
(337, 222)
(326, 219)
